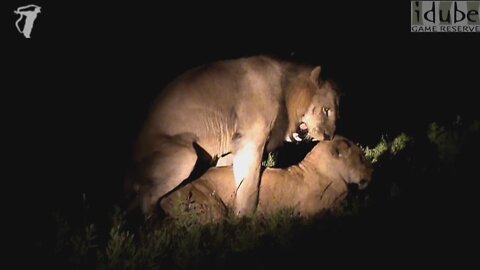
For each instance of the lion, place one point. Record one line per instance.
(229, 113)
(314, 186)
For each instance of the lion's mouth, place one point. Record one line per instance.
(303, 127)
(302, 131)
(300, 134)
(316, 134)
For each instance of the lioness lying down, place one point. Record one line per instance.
(316, 184)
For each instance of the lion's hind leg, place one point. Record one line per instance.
(173, 161)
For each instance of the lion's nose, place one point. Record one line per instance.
(363, 183)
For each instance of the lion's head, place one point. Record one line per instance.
(315, 107)
(321, 116)
(341, 158)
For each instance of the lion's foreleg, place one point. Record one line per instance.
(246, 171)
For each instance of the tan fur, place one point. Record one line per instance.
(235, 108)
(317, 184)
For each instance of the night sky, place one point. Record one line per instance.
(76, 93)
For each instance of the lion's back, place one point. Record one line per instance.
(205, 101)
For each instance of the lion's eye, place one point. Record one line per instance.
(326, 111)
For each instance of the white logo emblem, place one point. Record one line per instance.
(30, 13)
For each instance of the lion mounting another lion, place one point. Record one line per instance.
(228, 113)
(314, 186)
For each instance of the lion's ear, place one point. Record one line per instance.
(315, 74)
(340, 148)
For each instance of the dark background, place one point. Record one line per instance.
(76, 93)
